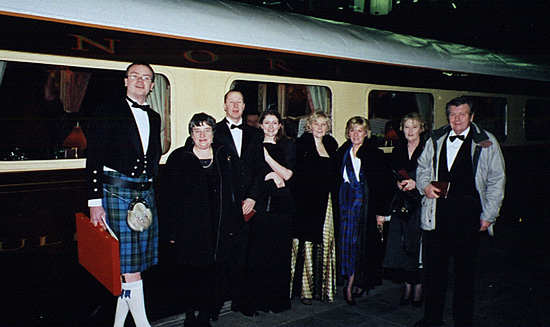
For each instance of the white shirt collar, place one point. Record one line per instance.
(230, 122)
(464, 132)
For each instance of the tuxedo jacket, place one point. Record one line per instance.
(248, 165)
(114, 141)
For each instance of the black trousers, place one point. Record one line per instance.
(456, 236)
(231, 268)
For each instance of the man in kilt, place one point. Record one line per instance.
(124, 149)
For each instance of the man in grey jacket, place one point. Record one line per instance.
(470, 160)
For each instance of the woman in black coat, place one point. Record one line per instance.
(404, 234)
(313, 249)
(269, 243)
(363, 201)
(201, 217)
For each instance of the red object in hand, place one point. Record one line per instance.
(98, 252)
(403, 173)
(248, 216)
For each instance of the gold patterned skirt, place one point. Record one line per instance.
(318, 273)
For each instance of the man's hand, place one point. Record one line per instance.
(380, 220)
(431, 191)
(248, 205)
(97, 217)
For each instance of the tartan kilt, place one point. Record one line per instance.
(138, 250)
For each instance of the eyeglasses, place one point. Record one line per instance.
(145, 78)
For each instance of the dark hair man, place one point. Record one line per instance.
(242, 143)
(123, 154)
(470, 160)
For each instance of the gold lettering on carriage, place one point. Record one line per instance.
(82, 40)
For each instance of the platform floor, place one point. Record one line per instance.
(47, 287)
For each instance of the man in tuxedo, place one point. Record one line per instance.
(470, 160)
(243, 144)
(124, 149)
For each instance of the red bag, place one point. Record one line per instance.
(98, 252)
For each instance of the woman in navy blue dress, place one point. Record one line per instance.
(363, 199)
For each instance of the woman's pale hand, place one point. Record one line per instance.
(380, 220)
(279, 182)
(407, 184)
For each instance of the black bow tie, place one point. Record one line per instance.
(143, 107)
(454, 137)
(237, 126)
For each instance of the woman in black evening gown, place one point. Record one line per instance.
(269, 243)
(404, 235)
(200, 217)
(313, 247)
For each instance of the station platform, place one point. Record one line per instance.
(513, 289)
(50, 288)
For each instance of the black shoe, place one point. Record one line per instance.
(417, 303)
(423, 323)
(306, 301)
(359, 294)
(235, 307)
(404, 300)
(190, 320)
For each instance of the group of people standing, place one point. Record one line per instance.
(255, 217)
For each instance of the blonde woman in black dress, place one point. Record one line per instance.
(313, 247)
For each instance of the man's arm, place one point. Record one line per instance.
(424, 170)
(495, 182)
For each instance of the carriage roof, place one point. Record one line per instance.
(245, 25)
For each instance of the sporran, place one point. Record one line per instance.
(139, 216)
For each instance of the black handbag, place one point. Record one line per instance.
(404, 202)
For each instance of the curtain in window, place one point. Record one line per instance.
(318, 99)
(72, 89)
(159, 100)
(2, 70)
(425, 107)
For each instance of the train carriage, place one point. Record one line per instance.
(60, 58)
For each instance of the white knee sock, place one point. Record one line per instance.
(132, 294)
(121, 310)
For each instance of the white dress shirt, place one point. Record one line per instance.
(453, 147)
(356, 163)
(237, 135)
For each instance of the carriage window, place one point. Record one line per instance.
(293, 101)
(490, 114)
(386, 108)
(536, 120)
(46, 109)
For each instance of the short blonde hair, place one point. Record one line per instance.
(317, 116)
(358, 121)
(413, 116)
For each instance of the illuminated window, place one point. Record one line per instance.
(293, 101)
(46, 108)
(490, 114)
(386, 108)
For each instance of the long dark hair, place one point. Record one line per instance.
(270, 112)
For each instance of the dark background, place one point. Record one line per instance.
(520, 28)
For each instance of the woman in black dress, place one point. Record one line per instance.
(404, 234)
(313, 249)
(269, 242)
(201, 217)
(363, 201)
